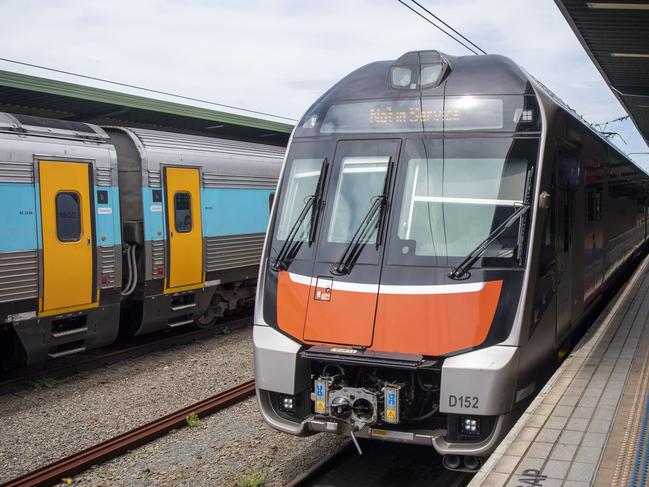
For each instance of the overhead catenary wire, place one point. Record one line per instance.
(441, 29)
(602, 125)
(445, 24)
(150, 90)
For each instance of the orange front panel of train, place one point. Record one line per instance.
(435, 324)
(346, 318)
(292, 302)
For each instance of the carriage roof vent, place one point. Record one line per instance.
(419, 69)
(51, 126)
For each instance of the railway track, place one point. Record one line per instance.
(134, 347)
(78, 462)
(382, 464)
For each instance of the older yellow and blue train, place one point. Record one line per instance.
(106, 225)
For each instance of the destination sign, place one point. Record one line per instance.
(413, 115)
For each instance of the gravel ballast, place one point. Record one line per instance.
(39, 426)
(224, 449)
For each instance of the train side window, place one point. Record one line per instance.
(183, 211)
(68, 216)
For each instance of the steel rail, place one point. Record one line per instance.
(78, 462)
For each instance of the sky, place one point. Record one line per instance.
(279, 56)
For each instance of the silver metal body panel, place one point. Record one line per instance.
(18, 275)
(481, 382)
(278, 367)
(232, 251)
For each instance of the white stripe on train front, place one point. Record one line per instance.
(468, 287)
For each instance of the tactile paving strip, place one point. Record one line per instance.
(619, 466)
(641, 458)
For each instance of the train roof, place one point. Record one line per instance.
(489, 74)
(464, 75)
(174, 142)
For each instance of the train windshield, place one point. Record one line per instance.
(450, 204)
(302, 182)
(361, 182)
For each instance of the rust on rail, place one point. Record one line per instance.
(78, 462)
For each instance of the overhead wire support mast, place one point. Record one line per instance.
(150, 90)
(480, 51)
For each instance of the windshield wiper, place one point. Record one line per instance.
(356, 244)
(461, 271)
(352, 251)
(312, 203)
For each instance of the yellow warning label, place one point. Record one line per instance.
(391, 414)
(320, 407)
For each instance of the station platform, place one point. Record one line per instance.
(589, 425)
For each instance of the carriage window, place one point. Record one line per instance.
(183, 212)
(68, 216)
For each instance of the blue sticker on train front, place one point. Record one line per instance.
(392, 398)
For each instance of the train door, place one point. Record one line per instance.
(342, 302)
(567, 181)
(184, 229)
(67, 235)
(593, 228)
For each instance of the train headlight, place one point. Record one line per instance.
(287, 403)
(401, 77)
(431, 74)
(310, 122)
(470, 425)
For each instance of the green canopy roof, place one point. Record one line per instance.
(33, 95)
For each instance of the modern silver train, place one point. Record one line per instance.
(104, 225)
(441, 228)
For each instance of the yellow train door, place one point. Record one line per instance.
(67, 236)
(184, 232)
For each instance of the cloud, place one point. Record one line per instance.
(278, 57)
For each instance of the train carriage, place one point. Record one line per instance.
(195, 211)
(111, 229)
(60, 240)
(442, 227)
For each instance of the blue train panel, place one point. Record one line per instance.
(107, 216)
(234, 211)
(19, 231)
(154, 212)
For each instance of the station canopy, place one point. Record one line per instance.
(42, 97)
(615, 35)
